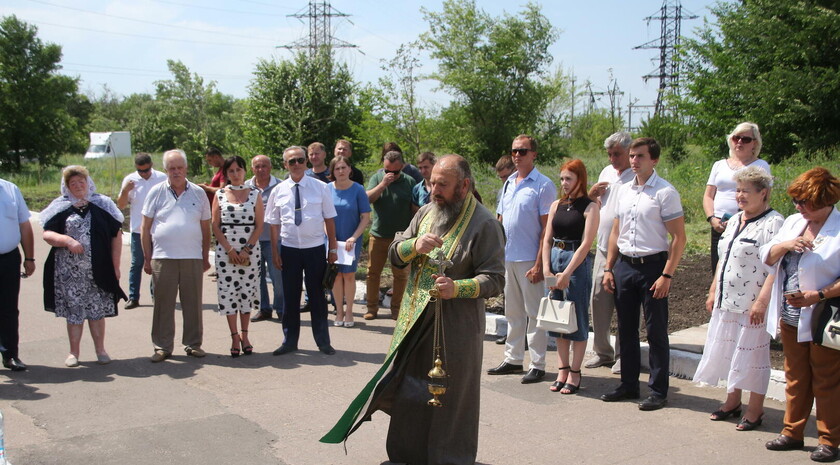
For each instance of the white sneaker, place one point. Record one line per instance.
(616, 369)
(71, 361)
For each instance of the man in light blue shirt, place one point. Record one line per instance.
(265, 182)
(15, 230)
(523, 209)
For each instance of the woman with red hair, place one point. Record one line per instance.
(567, 266)
(805, 260)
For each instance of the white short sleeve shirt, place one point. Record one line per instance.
(721, 178)
(176, 226)
(642, 211)
(13, 212)
(137, 196)
(612, 176)
(316, 206)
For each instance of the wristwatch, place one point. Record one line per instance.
(334, 251)
(822, 296)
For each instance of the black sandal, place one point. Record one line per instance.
(746, 425)
(558, 385)
(571, 387)
(249, 349)
(234, 351)
(720, 415)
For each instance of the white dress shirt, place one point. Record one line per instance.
(642, 212)
(610, 175)
(316, 206)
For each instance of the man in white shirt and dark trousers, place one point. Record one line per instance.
(615, 174)
(176, 247)
(299, 209)
(15, 231)
(134, 189)
(640, 265)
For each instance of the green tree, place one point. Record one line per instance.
(42, 111)
(773, 63)
(299, 102)
(496, 68)
(191, 115)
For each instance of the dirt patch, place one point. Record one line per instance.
(686, 303)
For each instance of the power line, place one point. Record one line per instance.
(100, 31)
(183, 28)
(157, 71)
(319, 14)
(224, 10)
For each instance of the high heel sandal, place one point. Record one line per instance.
(558, 385)
(571, 388)
(249, 349)
(234, 351)
(720, 414)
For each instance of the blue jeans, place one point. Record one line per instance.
(136, 271)
(580, 286)
(276, 282)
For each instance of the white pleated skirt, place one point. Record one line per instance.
(736, 351)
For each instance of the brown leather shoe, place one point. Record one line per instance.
(370, 316)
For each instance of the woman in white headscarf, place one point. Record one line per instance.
(82, 272)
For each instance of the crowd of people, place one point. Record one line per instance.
(614, 246)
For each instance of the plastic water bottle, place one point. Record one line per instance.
(3, 460)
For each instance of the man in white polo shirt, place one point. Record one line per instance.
(640, 265)
(134, 189)
(176, 244)
(615, 174)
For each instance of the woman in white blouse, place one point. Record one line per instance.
(805, 259)
(738, 346)
(719, 199)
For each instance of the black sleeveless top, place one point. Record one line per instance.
(568, 222)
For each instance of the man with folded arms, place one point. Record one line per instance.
(640, 265)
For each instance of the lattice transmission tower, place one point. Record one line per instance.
(670, 17)
(319, 14)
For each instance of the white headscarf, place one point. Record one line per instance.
(67, 199)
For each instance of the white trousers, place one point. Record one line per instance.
(522, 302)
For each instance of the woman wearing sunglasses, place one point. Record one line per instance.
(719, 199)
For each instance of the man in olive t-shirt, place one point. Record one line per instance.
(389, 192)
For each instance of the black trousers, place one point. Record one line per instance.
(632, 290)
(309, 264)
(9, 313)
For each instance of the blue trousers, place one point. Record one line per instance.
(266, 264)
(135, 273)
(309, 264)
(632, 284)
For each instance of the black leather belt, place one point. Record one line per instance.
(657, 257)
(563, 244)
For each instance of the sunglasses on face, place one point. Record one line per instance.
(519, 152)
(144, 171)
(392, 171)
(742, 139)
(800, 202)
(294, 161)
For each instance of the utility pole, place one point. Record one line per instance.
(670, 17)
(319, 14)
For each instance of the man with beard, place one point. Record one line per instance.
(470, 237)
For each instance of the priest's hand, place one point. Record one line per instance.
(427, 242)
(445, 286)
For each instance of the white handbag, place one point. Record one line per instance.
(826, 324)
(557, 316)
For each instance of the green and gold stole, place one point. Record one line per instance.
(414, 303)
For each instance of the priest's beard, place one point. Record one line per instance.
(446, 214)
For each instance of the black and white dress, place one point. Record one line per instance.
(239, 285)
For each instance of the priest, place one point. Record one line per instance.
(470, 237)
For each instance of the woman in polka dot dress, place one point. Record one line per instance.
(237, 224)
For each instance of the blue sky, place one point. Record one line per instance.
(124, 44)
